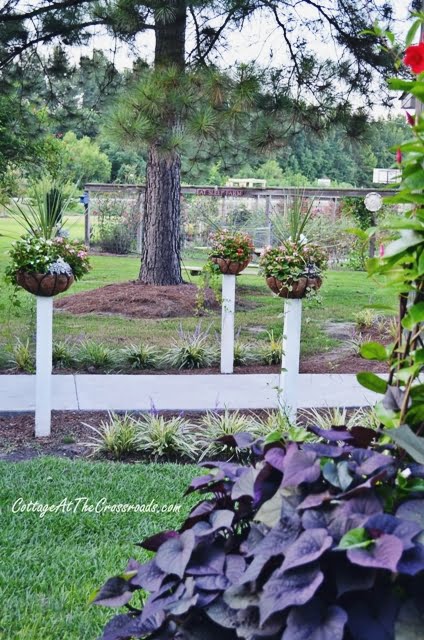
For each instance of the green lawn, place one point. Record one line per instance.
(49, 566)
(343, 294)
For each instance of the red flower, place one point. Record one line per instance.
(399, 156)
(240, 251)
(410, 119)
(414, 57)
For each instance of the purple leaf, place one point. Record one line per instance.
(148, 576)
(405, 530)
(222, 614)
(325, 450)
(300, 466)
(237, 440)
(200, 512)
(220, 519)
(126, 626)
(234, 567)
(154, 542)
(241, 597)
(314, 519)
(289, 588)
(275, 543)
(368, 462)
(201, 482)
(206, 559)
(362, 436)
(116, 592)
(309, 546)
(412, 510)
(412, 561)
(336, 434)
(275, 458)
(349, 577)
(173, 555)
(244, 485)
(315, 621)
(385, 553)
(372, 616)
(267, 483)
(315, 500)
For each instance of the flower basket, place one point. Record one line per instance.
(292, 289)
(230, 267)
(44, 284)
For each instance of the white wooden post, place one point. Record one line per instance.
(289, 378)
(227, 323)
(43, 377)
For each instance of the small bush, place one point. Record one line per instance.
(96, 355)
(356, 342)
(140, 356)
(191, 351)
(338, 417)
(22, 357)
(63, 354)
(116, 437)
(221, 425)
(160, 437)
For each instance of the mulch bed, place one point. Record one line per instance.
(137, 300)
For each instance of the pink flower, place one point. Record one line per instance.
(381, 250)
(399, 156)
(82, 254)
(59, 240)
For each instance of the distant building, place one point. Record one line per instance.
(386, 176)
(324, 182)
(246, 183)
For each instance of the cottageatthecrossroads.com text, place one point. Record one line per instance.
(83, 504)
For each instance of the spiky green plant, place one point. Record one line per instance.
(276, 425)
(191, 350)
(140, 356)
(271, 352)
(22, 356)
(96, 355)
(115, 437)
(216, 425)
(63, 354)
(160, 437)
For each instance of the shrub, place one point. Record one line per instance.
(160, 437)
(312, 541)
(63, 354)
(96, 355)
(22, 357)
(118, 222)
(140, 356)
(116, 437)
(191, 351)
(218, 429)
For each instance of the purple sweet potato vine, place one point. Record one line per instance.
(314, 541)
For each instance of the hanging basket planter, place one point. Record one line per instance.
(293, 289)
(230, 267)
(44, 284)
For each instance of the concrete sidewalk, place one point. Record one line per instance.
(181, 392)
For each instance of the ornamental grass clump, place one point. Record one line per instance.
(115, 437)
(140, 356)
(191, 350)
(217, 431)
(95, 355)
(161, 437)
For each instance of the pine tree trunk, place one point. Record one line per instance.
(162, 209)
(161, 223)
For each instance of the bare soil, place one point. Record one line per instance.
(137, 300)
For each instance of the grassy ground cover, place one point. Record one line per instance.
(50, 565)
(343, 294)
